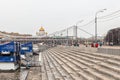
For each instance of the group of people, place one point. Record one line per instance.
(96, 44)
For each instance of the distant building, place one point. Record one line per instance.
(4, 34)
(41, 32)
(113, 36)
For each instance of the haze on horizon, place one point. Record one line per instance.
(27, 16)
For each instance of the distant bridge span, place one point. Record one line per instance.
(41, 40)
(56, 39)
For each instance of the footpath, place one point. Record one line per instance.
(114, 50)
(35, 70)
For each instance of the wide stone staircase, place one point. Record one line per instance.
(68, 63)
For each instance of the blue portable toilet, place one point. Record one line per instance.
(9, 56)
(26, 51)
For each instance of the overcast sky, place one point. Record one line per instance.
(26, 16)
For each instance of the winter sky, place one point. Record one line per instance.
(27, 16)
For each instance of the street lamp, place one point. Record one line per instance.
(67, 37)
(96, 23)
(61, 38)
(75, 28)
(75, 32)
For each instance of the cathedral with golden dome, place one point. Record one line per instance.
(41, 32)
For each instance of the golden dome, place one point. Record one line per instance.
(41, 29)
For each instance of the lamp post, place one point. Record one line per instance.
(61, 38)
(67, 37)
(75, 28)
(77, 40)
(96, 23)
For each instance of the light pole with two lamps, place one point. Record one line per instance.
(75, 32)
(96, 23)
(75, 29)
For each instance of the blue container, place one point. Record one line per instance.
(27, 47)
